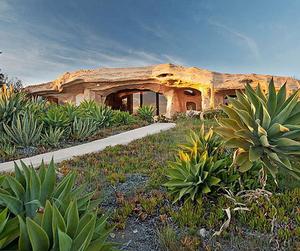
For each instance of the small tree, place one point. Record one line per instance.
(5, 80)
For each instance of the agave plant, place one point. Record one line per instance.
(53, 230)
(198, 143)
(11, 104)
(123, 118)
(28, 191)
(36, 106)
(7, 150)
(146, 113)
(87, 105)
(24, 131)
(9, 229)
(52, 136)
(55, 117)
(70, 111)
(101, 115)
(264, 128)
(190, 177)
(83, 128)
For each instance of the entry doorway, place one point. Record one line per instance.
(131, 100)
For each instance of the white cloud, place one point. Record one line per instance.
(36, 53)
(246, 40)
(6, 11)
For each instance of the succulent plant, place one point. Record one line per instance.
(70, 111)
(146, 113)
(102, 115)
(190, 177)
(263, 128)
(83, 128)
(52, 136)
(200, 142)
(9, 229)
(24, 130)
(53, 230)
(56, 117)
(123, 118)
(29, 189)
(11, 104)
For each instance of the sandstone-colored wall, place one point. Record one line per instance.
(168, 79)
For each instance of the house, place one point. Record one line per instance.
(170, 88)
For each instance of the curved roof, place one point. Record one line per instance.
(167, 74)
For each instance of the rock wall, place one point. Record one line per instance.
(167, 79)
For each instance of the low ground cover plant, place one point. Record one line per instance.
(208, 201)
(183, 221)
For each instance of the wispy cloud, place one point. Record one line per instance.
(47, 51)
(6, 11)
(155, 30)
(249, 42)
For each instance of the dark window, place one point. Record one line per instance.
(226, 98)
(189, 92)
(190, 106)
(163, 75)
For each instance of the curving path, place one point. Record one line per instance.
(94, 146)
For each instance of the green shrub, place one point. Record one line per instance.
(7, 150)
(9, 229)
(11, 105)
(168, 239)
(83, 128)
(101, 115)
(24, 130)
(190, 177)
(53, 230)
(214, 114)
(28, 191)
(146, 113)
(55, 117)
(70, 112)
(198, 143)
(87, 105)
(123, 118)
(263, 128)
(36, 106)
(52, 136)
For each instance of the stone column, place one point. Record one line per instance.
(212, 97)
(206, 99)
(173, 103)
(89, 94)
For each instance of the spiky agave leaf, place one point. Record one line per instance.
(29, 189)
(146, 113)
(202, 141)
(190, 178)
(56, 230)
(24, 131)
(264, 128)
(9, 229)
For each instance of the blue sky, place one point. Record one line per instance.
(41, 39)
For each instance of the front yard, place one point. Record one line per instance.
(130, 179)
(229, 181)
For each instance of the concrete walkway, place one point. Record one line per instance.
(94, 146)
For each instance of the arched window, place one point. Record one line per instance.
(191, 106)
(189, 92)
(226, 98)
